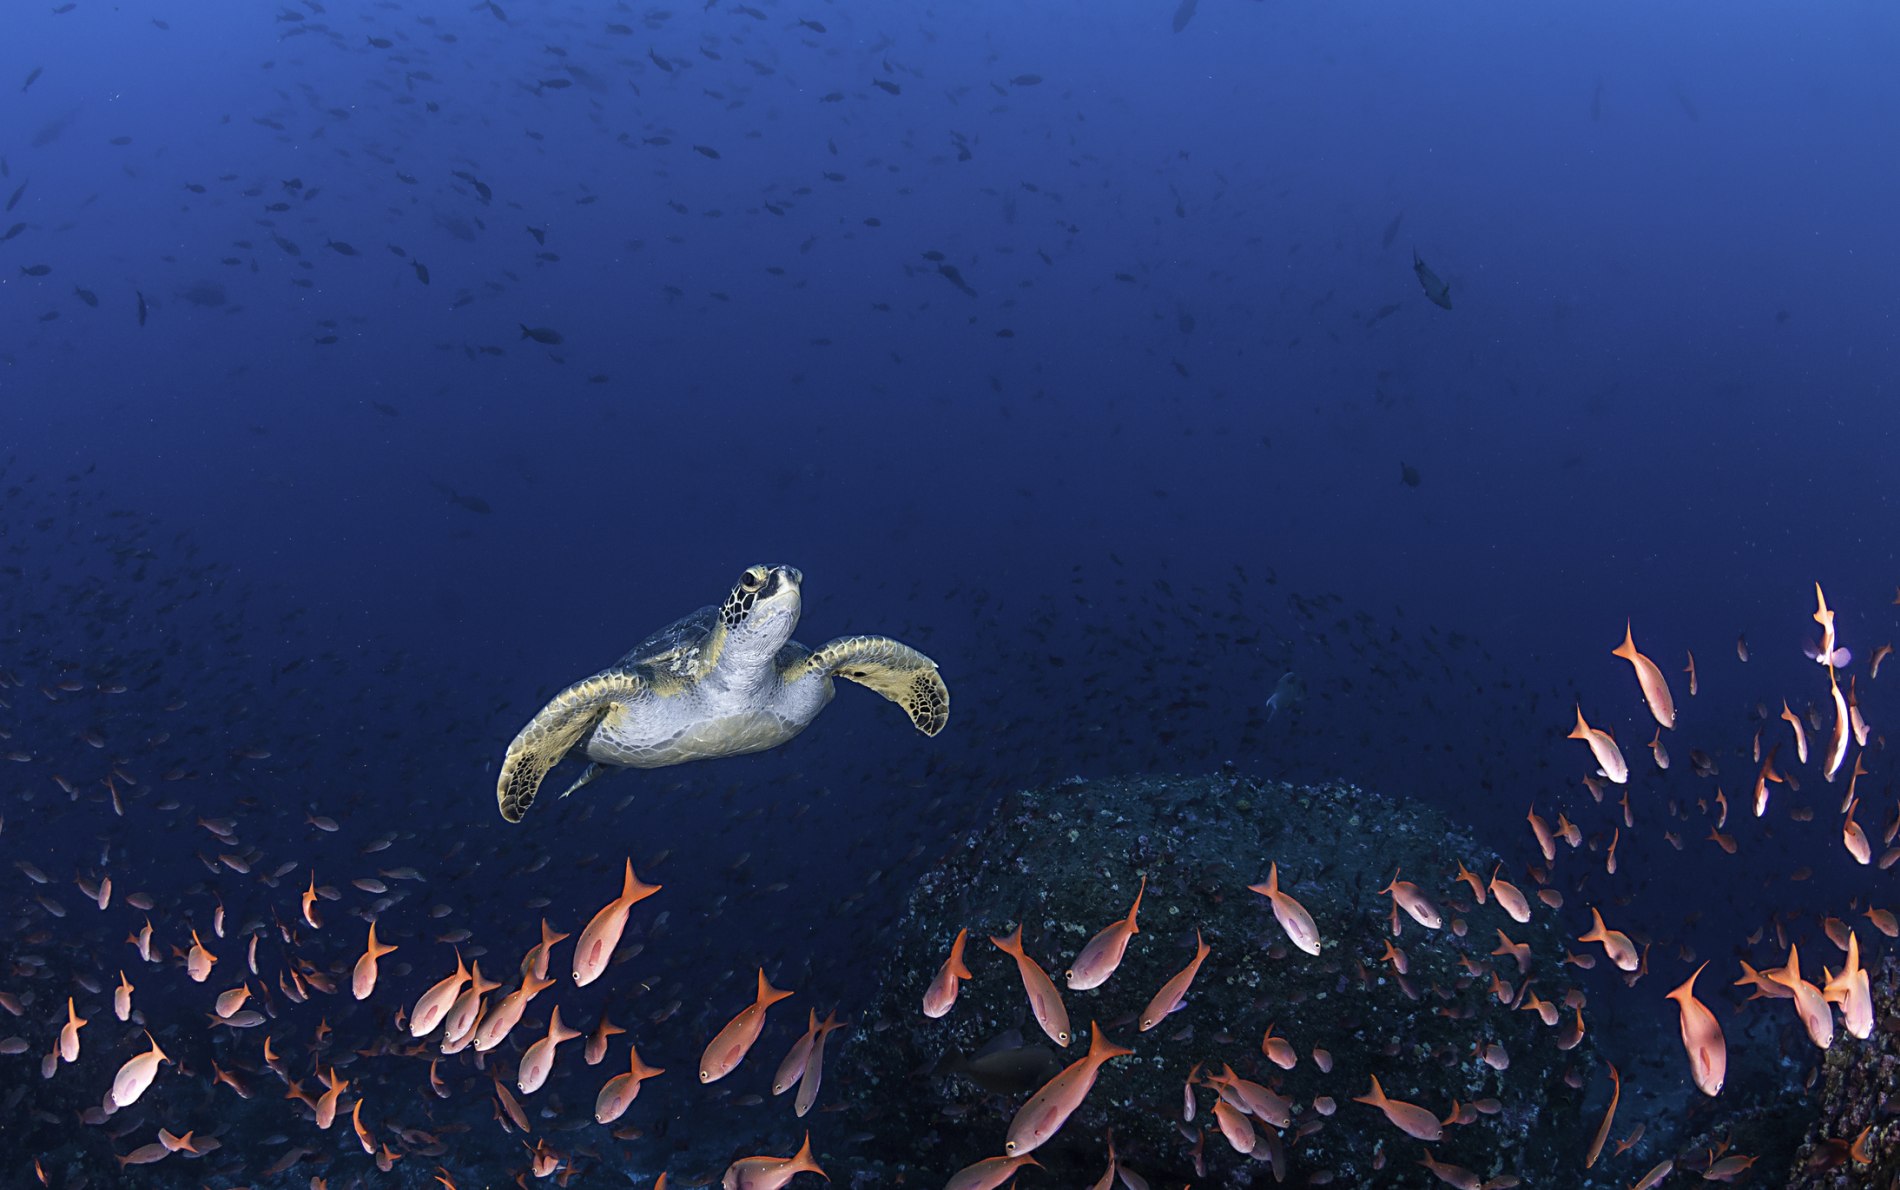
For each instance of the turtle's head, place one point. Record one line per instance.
(761, 612)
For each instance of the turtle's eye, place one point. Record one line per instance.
(751, 580)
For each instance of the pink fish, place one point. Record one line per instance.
(602, 935)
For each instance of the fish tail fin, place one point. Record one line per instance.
(957, 966)
(803, 1160)
(1626, 650)
(767, 993)
(1012, 945)
(1582, 730)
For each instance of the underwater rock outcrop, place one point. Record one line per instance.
(1851, 1141)
(1459, 1033)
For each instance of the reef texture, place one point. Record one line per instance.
(932, 1096)
(1859, 1094)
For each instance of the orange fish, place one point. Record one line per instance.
(1407, 896)
(1049, 1108)
(942, 992)
(725, 1051)
(1103, 953)
(986, 1174)
(1616, 944)
(1608, 756)
(1649, 678)
(198, 960)
(1044, 1000)
(1809, 1004)
(770, 1173)
(465, 1013)
(1409, 1118)
(1172, 992)
(1800, 732)
(1701, 1038)
(596, 1050)
(1849, 989)
(1235, 1127)
(792, 1068)
(136, 1075)
(814, 1067)
(122, 997)
(496, 1025)
(539, 1060)
(618, 1094)
(436, 1002)
(536, 960)
(310, 905)
(1452, 1175)
(363, 977)
(326, 1105)
(69, 1034)
(1510, 897)
(1603, 1129)
(602, 934)
(1291, 915)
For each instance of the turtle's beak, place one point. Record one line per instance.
(789, 574)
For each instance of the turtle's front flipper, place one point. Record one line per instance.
(893, 669)
(549, 735)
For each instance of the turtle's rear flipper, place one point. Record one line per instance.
(893, 669)
(548, 736)
(594, 769)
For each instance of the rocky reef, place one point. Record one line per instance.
(1852, 1140)
(1458, 1033)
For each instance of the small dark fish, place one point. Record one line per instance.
(541, 334)
(32, 77)
(120, 140)
(540, 234)
(814, 26)
(553, 84)
(65, 8)
(422, 271)
(141, 307)
(341, 248)
(955, 278)
(706, 151)
(326, 340)
(1408, 475)
(14, 199)
(1596, 101)
(1436, 290)
(887, 85)
(87, 296)
(660, 62)
(15, 230)
(381, 43)
(1025, 80)
(36, 270)
(472, 503)
(1392, 230)
(384, 409)
(1184, 14)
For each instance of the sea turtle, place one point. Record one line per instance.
(723, 681)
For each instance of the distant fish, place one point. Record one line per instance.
(13, 200)
(1025, 80)
(32, 77)
(1287, 693)
(87, 296)
(1184, 14)
(1392, 230)
(541, 334)
(1435, 289)
(1408, 475)
(472, 503)
(36, 270)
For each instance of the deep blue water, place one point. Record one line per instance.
(1173, 382)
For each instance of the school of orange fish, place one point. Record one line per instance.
(255, 978)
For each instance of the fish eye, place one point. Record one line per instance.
(1009, 1146)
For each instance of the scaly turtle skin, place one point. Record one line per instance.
(723, 681)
